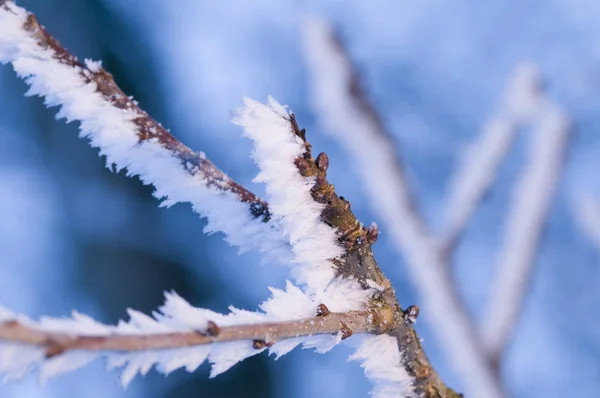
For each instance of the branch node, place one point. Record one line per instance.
(322, 310)
(212, 329)
(260, 344)
(54, 350)
(345, 331)
(410, 314)
(372, 233)
(322, 162)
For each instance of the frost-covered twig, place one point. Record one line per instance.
(347, 115)
(530, 203)
(262, 335)
(128, 136)
(478, 169)
(178, 335)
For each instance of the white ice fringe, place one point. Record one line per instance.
(382, 361)
(176, 315)
(275, 149)
(112, 131)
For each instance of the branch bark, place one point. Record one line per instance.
(263, 334)
(195, 163)
(360, 262)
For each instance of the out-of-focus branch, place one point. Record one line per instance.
(263, 334)
(530, 204)
(478, 170)
(586, 210)
(346, 114)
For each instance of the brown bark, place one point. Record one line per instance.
(263, 334)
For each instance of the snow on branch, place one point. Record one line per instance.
(276, 149)
(129, 137)
(382, 362)
(347, 115)
(332, 249)
(530, 204)
(178, 335)
(478, 169)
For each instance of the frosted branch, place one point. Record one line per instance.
(276, 149)
(478, 169)
(129, 137)
(179, 335)
(347, 115)
(530, 203)
(330, 248)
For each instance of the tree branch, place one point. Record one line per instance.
(348, 116)
(478, 170)
(148, 129)
(357, 261)
(263, 334)
(91, 81)
(586, 210)
(531, 199)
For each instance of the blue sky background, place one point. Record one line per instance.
(75, 236)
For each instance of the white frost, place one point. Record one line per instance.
(383, 364)
(112, 131)
(175, 315)
(313, 242)
(93, 66)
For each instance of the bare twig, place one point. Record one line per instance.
(530, 204)
(58, 343)
(478, 170)
(348, 115)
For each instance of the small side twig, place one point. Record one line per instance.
(478, 170)
(530, 203)
(59, 343)
(147, 128)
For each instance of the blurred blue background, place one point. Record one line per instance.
(75, 236)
